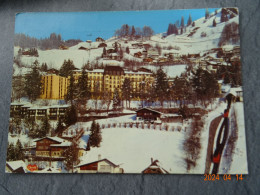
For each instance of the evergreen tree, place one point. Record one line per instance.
(127, 50)
(133, 31)
(214, 23)
(95, 137)
(44, 67)
(127, 90)
(207, 14)
(33, 83)
(116, 99)
(147, 31)
(67, 68)
(71, 116)
(193, 24)
(182, 22)
(59, 127)
(83, 87)
(189, 21)
(161, 86)
(71, 157)
(71, 93)
(224, 17)
(104, 54)
(175, 29)
(45, 127)
(11, 155)
(181, 30)
(170, 29)
(19, 153)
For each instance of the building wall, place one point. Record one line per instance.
(53, 87)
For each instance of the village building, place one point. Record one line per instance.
(147, 114)
(99, 39)
(99, 166)
(53, 87)
(155, 167)
(83, 48)
(17, 166)
(51, 147)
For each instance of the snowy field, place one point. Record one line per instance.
(133, 149)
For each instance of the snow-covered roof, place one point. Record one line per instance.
(149, 110)
(14, 165)
(17, 104)
(63, 144)
(57, 139)
(106, 160)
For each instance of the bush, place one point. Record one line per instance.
(203, 34)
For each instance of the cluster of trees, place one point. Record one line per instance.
(15, 152)
(134, 32)
(230, 34)
(37, 130)
(33, 82)
(174, 28)
(54, 41)
(31, 52)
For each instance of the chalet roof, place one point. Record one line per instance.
(149, 110)
(63, 144)
(156, 165)
(57, 139)
(106, 160)
(14, 165)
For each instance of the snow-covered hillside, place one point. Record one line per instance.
(196, 43)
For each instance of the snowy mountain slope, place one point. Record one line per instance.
(196, 43)
(184, 44)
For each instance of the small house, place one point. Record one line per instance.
(17, 166)
(99, 39)
(148, 114)
(155, 167)
(138, 54)
(99, 166)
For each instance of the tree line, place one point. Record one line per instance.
(54, 41)
(134, 32)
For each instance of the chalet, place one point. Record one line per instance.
(99, 166)
(193, 55)
(99, 39)
(63, 47)
(162, 59)
(152, 52)
(237, 93)
(148, 60)
(155, 167)
(51, 147)
(114, 56)
(18, 166)
(137, 45)
(148, 114)
(83, 48)
(102, 45)
(138, 54)
(110, 51)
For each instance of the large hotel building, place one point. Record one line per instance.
(105, 80)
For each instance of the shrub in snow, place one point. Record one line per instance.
(203, 34)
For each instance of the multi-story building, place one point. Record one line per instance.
(112, 77)
(53, 87)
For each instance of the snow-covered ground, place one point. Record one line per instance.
(133, 148)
